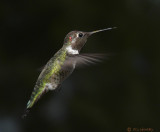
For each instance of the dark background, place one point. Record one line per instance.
(122, 92)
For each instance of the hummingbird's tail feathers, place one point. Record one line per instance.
(34, 98)
(36, 95)
(25, 113)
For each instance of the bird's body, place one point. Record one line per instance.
(51, 77)
(62, 64)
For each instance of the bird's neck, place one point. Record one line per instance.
(70, 50)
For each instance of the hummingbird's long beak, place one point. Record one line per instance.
(90, 33)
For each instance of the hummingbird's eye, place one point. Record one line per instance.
(80, 35)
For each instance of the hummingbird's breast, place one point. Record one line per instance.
(61, 75)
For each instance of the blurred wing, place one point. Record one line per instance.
(84, 59)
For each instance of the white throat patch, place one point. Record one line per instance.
(71, 51)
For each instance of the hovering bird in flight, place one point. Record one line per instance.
(62, 64)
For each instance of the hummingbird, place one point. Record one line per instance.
(63, 63)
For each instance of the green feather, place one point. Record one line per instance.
(52, 67)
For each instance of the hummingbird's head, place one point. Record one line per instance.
(75, 40)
